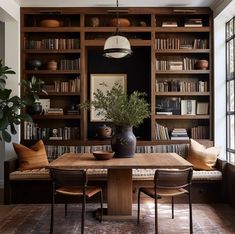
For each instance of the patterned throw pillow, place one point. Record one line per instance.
(201, 157)
(31, 158)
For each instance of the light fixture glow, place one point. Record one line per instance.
(117, 46)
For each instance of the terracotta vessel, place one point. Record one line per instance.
(122, 22)
(52, 65)
(49, 23)
(201, 64)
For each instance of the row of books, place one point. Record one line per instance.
(178, 65)
(187, 23)
(180, 43)
(198, 132)
(54, 151)
(52, 44)
(32, 131)
(72, 85)
(181, 86)
(54, 111)
(69, 64)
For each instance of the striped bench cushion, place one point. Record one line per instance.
(138, 174)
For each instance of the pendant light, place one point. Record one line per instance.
(117, 46)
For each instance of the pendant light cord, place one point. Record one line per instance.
(117, 28)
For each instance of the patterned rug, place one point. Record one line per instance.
(35, 219)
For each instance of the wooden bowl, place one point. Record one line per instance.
(49, 23)
(122, 22)
(103, 155)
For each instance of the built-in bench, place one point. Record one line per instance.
(33, 186)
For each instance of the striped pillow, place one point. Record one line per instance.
(31, 158)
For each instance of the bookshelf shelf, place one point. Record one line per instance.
(52, 72)
(182, 94)
(181, 51)
(56, 117)
(182, 117)
(41, 51)
(184, 72)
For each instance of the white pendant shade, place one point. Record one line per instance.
(117, 47)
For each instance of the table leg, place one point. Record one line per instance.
(120, 192)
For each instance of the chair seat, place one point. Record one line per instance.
(163, 192)
(78, 191)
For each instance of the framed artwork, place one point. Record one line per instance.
(188, 107)
(96, 82)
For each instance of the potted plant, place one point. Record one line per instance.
(125, 112)
(32, 89)
(10, 107)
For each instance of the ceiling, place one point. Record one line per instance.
(122, 3)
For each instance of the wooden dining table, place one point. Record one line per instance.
(119, 186)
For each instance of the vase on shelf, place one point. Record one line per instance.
(123, 142)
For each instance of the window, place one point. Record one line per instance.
(230, 87)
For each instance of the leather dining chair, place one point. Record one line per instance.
(72, 183)
(169, 183)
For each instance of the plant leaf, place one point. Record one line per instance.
(6, 136)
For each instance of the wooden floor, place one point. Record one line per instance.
(207, 219)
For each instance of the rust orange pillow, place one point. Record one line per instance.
(201, 157)
(33, 157)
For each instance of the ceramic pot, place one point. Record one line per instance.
(34, 64)
(95, 21)
(104, 131)
(122, 22)
(52, 65)
(201, 64)
(123, 142)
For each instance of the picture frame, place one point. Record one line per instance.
(188, 107)
(95, 83)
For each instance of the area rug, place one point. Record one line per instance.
(30, 219)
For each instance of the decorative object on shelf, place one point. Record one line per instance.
(117, 46)
(104, 131)
(34, 64)
(103, 155)
(95, 22)
(124, 112)
(143, 24)
(32, 88)
(120, 22)
(201, 64)
(52, 65)
(9, 107)
(49, 23)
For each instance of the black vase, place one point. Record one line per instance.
(123, 142)
(36, 109)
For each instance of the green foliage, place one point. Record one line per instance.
(32, 88)
(116, 106)
(9, 107)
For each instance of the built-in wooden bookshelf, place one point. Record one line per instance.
(178, 36)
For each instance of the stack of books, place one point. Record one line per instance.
(55, 111)
(161, 132)
(179, 134)
(193, 23)
(169, 24)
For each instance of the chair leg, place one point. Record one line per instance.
(101, 206)
(190, 214)
(172, 207)
(138, 211)
(52, 212)
(156, 215)
(65, 208)
(83, 214)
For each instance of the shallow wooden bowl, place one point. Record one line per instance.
(103, 155)
(49, 23)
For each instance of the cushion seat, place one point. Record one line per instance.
(138, 174)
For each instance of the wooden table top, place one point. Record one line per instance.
(140, 160)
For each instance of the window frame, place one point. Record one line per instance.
(230, 39)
